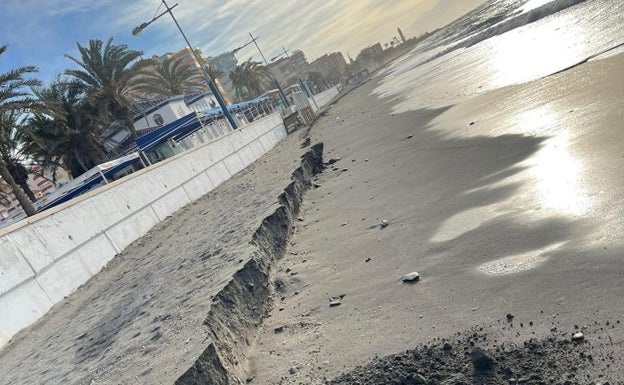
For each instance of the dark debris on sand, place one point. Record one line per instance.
(472, 359)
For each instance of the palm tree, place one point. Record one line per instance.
(250, 79)
(11, 149)
(214, 72)
(107, 76)
(170, 78)
(13, 101)
(67, 133)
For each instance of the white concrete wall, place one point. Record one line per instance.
(323, 98)
(46, 257)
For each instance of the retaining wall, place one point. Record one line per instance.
(46, 257)
(323, 98)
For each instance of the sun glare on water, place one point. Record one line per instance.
(554, 168)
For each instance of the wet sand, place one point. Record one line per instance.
(507, 203)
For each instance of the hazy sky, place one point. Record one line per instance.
(39, 32)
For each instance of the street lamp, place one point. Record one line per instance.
(279, 88)
(137, 31)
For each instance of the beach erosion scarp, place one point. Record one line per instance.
(244, 302)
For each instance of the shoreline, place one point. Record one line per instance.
(458, 186)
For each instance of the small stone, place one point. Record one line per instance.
(279, 329)
(333, 302)
(481, 360)
(367, 259)
(578, 337)
(384, 223)
(292, 370)
(553, 329)
(249, 379)
(411, 277)
(344, 169)
(344, 224)
(447, 347)
(333, 160)
(365, 160)
(415, 379)
(510, 317)
(300, 219)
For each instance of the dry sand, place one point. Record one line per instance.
(140, 321)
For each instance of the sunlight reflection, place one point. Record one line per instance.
(557, 172)
(464, 222)
(521, 57)
(518, 263)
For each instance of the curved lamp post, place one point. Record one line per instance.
(279, 88)
(137, 31)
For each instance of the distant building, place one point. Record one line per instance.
(226, 63)
(371, 53)
(40, 185)
(330, 66)
(401, 35)
(289, 69)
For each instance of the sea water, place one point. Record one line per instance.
(501, 43)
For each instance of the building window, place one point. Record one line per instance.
(158, 119)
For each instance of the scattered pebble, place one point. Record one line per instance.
(411, 277)
(578, 337)
(279, 329)
(384, 223)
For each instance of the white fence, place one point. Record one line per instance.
(46, 257)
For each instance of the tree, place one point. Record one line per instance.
(107, 76)
(250, 79)
(214, 72)
(67, 133)
(170, 78)
(11, 150)
(318, 79)
(14, 99)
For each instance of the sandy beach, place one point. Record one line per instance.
(463, 195)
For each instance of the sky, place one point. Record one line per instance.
(40, 32)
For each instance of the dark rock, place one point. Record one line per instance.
(510, 317)
(481, 360)
(279, 329)
(333, 160)
(447, 347)
(414, 379)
